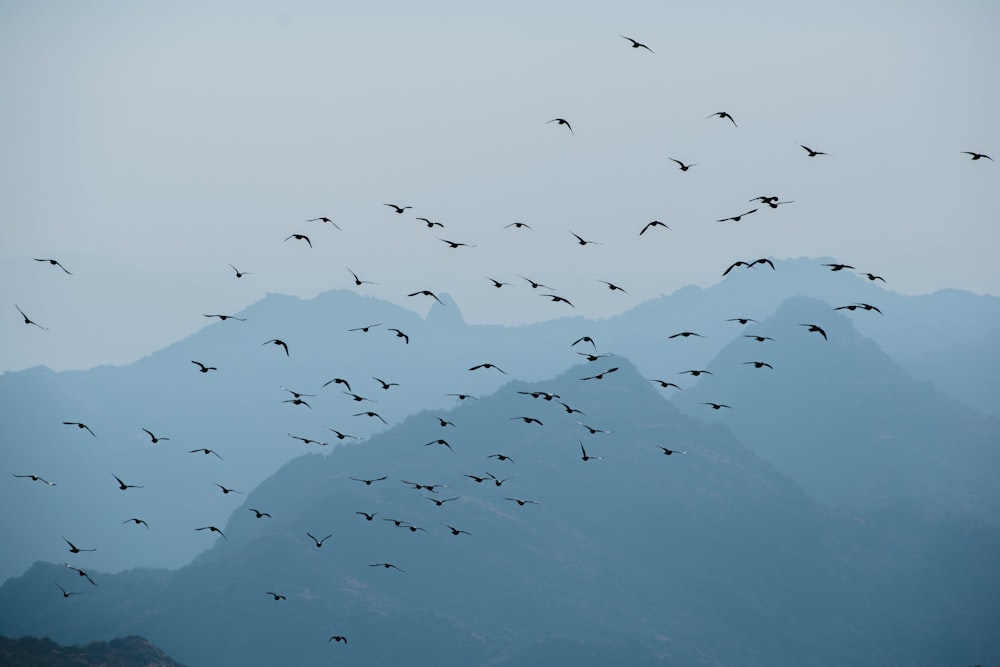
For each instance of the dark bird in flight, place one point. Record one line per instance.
(682, 166)
(612, 286)
(396, 522)
(759, 364)
(319, 543)
(297, 394)
(358, 281)
(528, 420)
(776, 204)
(759, 339)
(488, 365)
(716, 406)
(137, 521)
(500, 457)
(669, 452)
(872, 277)
(386, 566)
(496, 283)
(202, 367)
(584, 339)
(439, 441)
(600, 376)
(279, 342)
(569, 410)
(686, 334)
(411, 527)
(519, 225)
(741, 320)
(398, 209)
(476, 478)
(749, 265)
(556, 299)
(816, 329)
(975, 156)
(635, 44)
(308, 441)
(696, 373)
(66, 593)
(342, 436)
(653, 223)
(765, 199)
(227, 317)
(722, 114)
(276, 596)
(152, 437)
(298, 401)
(214, 530)
(431, 224)
(456, 244)
(463, 397)
(53, 262)
(585, 456)
(367, 516)
(206, 451)
(400, 334)
(341, 380)
(371, 414)
(522, 502)
(534, 285)
(36, 478)
(323, 218)
(73, 549)
(663, 383)
(368, 482)
(456, 531)
(385, 385)
(441, 502)
(737, 218)
(239, 274)
(813, 153)
(300, 237)
(363, 329)
(80, 425)
(225, 490)
(541, 394)
(358, 398)
(81, 573)
(594, 357)
(426, 292)
(497, 480)
(839, 267)
(868, 306)
(581, 241)
(337, 638)
(258, 513)
(122, 485)
(427, 487)
(28, 320)
(562, 121)
(444, 422)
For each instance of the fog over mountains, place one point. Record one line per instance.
(842, 505)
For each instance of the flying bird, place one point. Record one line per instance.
(722, 114)
(522, 502)
(53, 262)
(556, 299)
(686, 334)
(308, 441)
(152, 437)
(839, 267)
(581, 241)
(323, 218)
(444, 422)
(66, 593)
(398, 209)
(239, 274)
(337, 638)
(584, 339)
(340, 380)
(276, 596)
(456, 244)
(298, 401)
(369, 482)
(439, 441)
(669, 452)
(80, 425)
(612, 286)
(441, 502)
(386, 566)
(696, 373)
(716, 406)
(682, 166)
(663, 383)
(500, 457)
(488, 365)
(653, 223)
(562, 121)
(358, 398)
(759, 339)
(300, 237)
(456, 531)
(400, 334)
(816, 329)
(426, 292)
(28, 320)
(759, 364)
(227, 317)
(342, 436)
(81, 573)
(364, 330)
(278, 342)
(587, 457)
(319, 543)
(258, 513)
(122, 485)
(737, 218)
(206, 451)
(297, 394)
(431, 224)
(358, 281)
(528, 420)
(203, 368)
(496, 283)
(813, 153)
(214, 530)
(137, 521)
(371, 414)
(872, 277)
(463, 397)
(741, 320)
(366, 515)
(600, 376)
(534, 285)
(73, 549)
(519, 225)
(978, 156)
(569, 410)
(36, 478)
(385, 385)
(225, 490)
(594, 357)
(635, 44)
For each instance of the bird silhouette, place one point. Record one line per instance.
(297, 394)
(385, 385)
(456, 244)
(80, 425)
(600, 376)
(592, 430)
(431, 224)
(815, 329)
(444, 422)
(463, 397)
(696, 373)
(122, 485)
(319, 543)
(442, 501)
(214, 530)
(587, 457)
(562, 121)
(722, 114)
(239, 274)
(528, 420)
(28, 320)
(426, 292)
(584, 339)
(612, 286)
(298, 401)
(839, 267)
(868, 306)
(521, 502)
(337, 638)
(300, 237)
(340, 380)
(759, 364)
(367, 516)
(540, 394)
(519, 225)
(75, 549)
(342, 436)
(811, 152)
(681, 165)
(206, 451)
(36, 478)
(456, 531)
(203, 368)
(569, 410)
(369, 482)
(594, 357)
(257, 513)
(496, 283)
(386, 566)
(663, 383)
(308, 441)
(488, 365)
(152, 437)
(363, 329)
(53, 262)
(323, 218)
(741, 320)
(759, 339)
(582, 241)
(227, 317)
(81, 573)
(439, 441)
(496, 480)
(371, 414)
(737, 218)
(652, 223)
(279, 343)
(400, 334)
(977, 156)
(276, 596)
(669, 452)
(398, 209)
(534, 285)
(872, 277)
(686, 334)
(66, 593)
(137, 521)
(358, 398)
(557, 299)
(225, 490)
(500, 457)
(716, 406)
(635, 44)
(358, 281)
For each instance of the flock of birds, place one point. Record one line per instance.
(486, 478)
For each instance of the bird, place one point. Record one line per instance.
(839, 267)
(534, 285)
(696, 373)
(762, 260)
(737, 218)
(298, 401)
(540, 394)
(496, 283)
(319, 543)
(593, 431)
(337, 638)
(357, 398)
(81, 573)
(427, 487)
(367, 516)
(759, 364)
(569, 410)
(519, 225)
(276, 596)
(226, 491)
(978, 156)
(278, 342)
(386, 566)
(496, 480)
(732, 266)
(476, 478)
(635, 44)
(411, 527)
(594, 357)
(364, 330)
(323, 218)
(385, 385)
(371, 414)
(663, 383)
(521, 502)
(137, 521)
(556, 299)
(297, 394)
(28, 320)
(340, 380)
(716, 406)
(66, 593)
(444, 422)
(80, 425)
(342, 436)
(152, 437)
(439, 441)
(308, 441)
(53, 262)
(587, 457)
(813, 153)
(584, 339)
(258, 513)
(239, 274)
(764, 199)
(122, 485)
(653, 223)
(369, 482)
(206, 451)
(396, 522)
(669, 452)
(582, 241)
(816, 329)
(600, 376)
(463, 397)
(398, 209)
(722, 114)
(456, 244)
(426, 292)
(868, 306)
(686, 334)
(214, 530)
(431, 224)
(681, 165)
(203, 368)
(36, 478)
(358, 281)
(500, 457)
(562, 121)
(741, 320)
(488, 365)
(759, 339)
(227, 317)
(529, 420)
(75, 549)
(300, 237)
(612, 286)
(872, 277)
(456, 531)
(400, 334)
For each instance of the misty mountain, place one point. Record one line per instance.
(845, 421)
(705, 557)
(125, 652)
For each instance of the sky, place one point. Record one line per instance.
(149, 146)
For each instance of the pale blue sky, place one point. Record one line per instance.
(148, 146)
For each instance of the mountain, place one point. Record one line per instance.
(846, 422)
(125, 652)
(707, 557)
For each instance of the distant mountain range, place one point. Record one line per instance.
(706, 557)
(126, 652)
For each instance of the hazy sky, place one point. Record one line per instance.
(148, 146)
